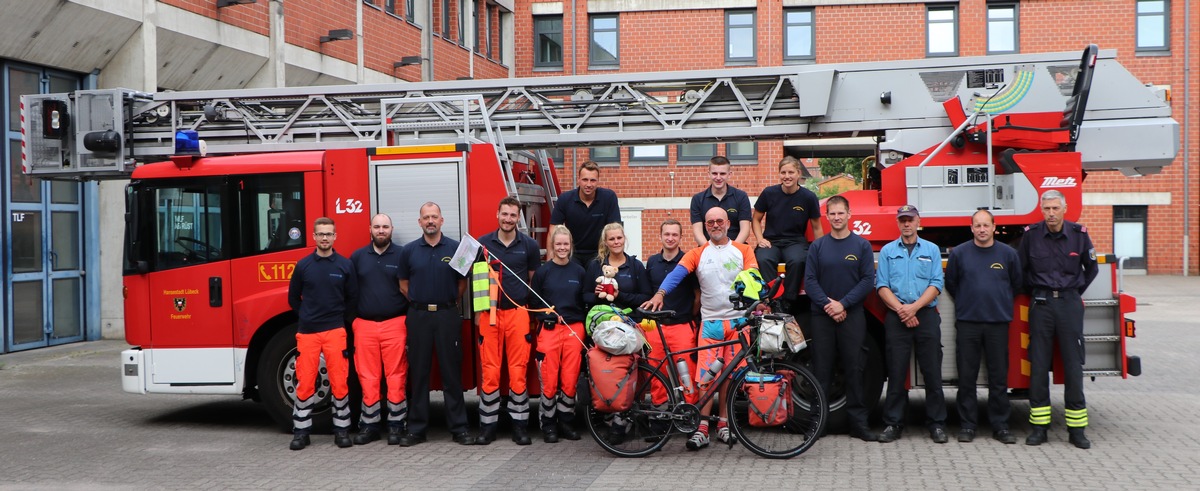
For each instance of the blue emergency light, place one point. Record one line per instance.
(188, 142)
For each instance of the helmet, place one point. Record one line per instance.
(749, 285)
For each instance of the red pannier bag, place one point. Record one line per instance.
(770, 401)
(613, 380)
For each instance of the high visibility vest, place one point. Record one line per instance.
(481, 299)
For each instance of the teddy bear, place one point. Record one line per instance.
(608, 283)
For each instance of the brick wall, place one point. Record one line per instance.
(694, 39)
(388, 37)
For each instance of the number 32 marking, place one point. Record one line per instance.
(351, 206)
(862, 228)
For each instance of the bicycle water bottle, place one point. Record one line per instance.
(711, 373)
(684, 376)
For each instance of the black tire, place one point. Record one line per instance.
(644, 428)
(277, 384)
(810, 412)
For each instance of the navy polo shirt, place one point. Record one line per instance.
(633, 284)
(787, 214)
(522, 256)
(586, 222)
(322, 292)
(1062, 261)
(562, 286)
(735, 202)
(983, 281)
(431, 280)
(839, 269)
(379, 295)
(682, 298)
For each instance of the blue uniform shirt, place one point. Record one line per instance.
(323, 292)
(983, 281)
(839, 269)
(682, 298)
(787, 214)
(522, 256)
(431, 280)
(379, 295)
(735, 202)
(563, 287)
(586, 222)
(908, 275)
(1062, 261)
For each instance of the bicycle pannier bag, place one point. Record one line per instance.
(769, 399)
(613, 380)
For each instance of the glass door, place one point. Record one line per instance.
(44, 258)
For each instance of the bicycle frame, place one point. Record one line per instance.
(727, 371)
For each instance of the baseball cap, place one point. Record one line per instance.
(907, 211)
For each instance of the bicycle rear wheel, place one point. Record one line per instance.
(643, 428)
(808, 414)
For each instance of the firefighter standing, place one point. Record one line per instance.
(909, 280)
(321, 292)
(982, 276)
(379, 334)
(838, 276)
(679, 331)
(504, 339)
(1059, 263)
(721, 194)
(434, 326)
(560, 347)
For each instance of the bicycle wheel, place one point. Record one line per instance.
(802, 427)
(643, 428)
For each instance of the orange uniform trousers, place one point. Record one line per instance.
(679, 337)
(504, 345)
(310, 347)
(559, 358)
(381, 344)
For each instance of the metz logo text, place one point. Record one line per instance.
(1058, 182)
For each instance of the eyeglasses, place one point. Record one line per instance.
(324, 235)
(714, 223)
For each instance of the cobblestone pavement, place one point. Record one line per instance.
(65, 424)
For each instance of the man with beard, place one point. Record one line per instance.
(379, 333)
(321, 292)
(585, 211)
(434, 325)
(504, 340)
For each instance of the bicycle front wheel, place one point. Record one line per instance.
(805, 418)
(643, 428)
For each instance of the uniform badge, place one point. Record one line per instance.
(997, 266)
(1092, 254)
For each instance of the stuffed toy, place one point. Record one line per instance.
(608, 283)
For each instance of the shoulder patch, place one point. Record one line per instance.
(1081, 228)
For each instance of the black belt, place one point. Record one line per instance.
(432, 307)
(1047, 293)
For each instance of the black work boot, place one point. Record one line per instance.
(1037, 435)
(520, 435)
(566, 431)
(299, 442)
(395, 433)
(487, 435)
(341, 438)
(1078, 439)
(549, 431)
(366, 435)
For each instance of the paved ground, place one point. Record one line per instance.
(65, 424)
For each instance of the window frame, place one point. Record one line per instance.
(635, 159)
(462, 23)
(954, 21)
(445, 19)
(812, 34)
(1016, 27)
(604, 160)
(1166, 27)
(681, 159)
(753, 58)
(592, 61)
(735, 159)
(537, 33)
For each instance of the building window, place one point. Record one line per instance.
(462, 23)
(742, 152)
(490, 13)
(739, 37)
(941, 30)
(604, 49)
(547, 36)
(606, 155)
(798, 35)
(410, 10)
(695, 153)
(446, 19)
(478, 41)
(1002, 28)
(648, 154)
(500, 35)
(1152, 25)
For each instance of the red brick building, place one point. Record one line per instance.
(570, 37)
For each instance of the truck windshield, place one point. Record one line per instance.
(173, 224)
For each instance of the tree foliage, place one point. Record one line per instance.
(832, 167)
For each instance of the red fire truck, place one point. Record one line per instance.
(224, 184)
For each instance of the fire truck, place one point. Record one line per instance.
(225, 184)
